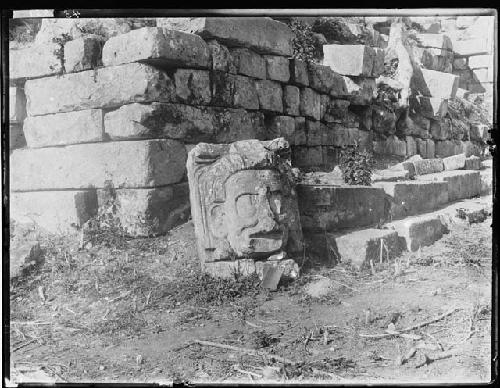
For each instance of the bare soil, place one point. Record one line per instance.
(131, 312)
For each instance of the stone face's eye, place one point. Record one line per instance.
(246, 205)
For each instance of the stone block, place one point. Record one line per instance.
(270, 95)
(126, 164)
(221, 59)
(483, 75)
(418, 231)
(234, 91)
(238, 124)
(82, 126)
(414, 197)
(332, 208)
(362, 246)
(291, 100)
(336, 111)
(389, 175)
(16, 136)
(439, 84)
(54, 211)
(425, 148)
(149, 212)
(439, 41)
(455, 162)
(472, 148)
(300, 131)
(38, 60)
(103, 88)
(193, 86)
(351, 60)
(383, 120)
(471, 47)
(441, 129)
(248, 63)
(277, 68)
(378, 62)
(262, 34)
(448, 148)
(282, 126)
(157, 46)
(479, 132)
(17, 104)
(307, 156)
(430, 107)
(233, 213)
(411, 146)
(473, 163)
(341, 136)
(479, 61)
(298, 72)
(360, 90)
(310, 104)
(428, 166)
(322, 78)
(461, 184)
(391, 146)
(314, 133)
(83, 53)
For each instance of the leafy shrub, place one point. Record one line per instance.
(356, 166)
(306, 45)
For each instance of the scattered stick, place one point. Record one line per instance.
(236, 367)
(403, 360)
(23, 345)
(244, 350)
(30, 323)
(325, 336)
(435, 357)
(253, 325)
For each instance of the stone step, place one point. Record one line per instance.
(461, 183)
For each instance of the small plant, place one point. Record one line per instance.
(356, 166)
(306, 46)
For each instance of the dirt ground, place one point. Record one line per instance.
(132, 311)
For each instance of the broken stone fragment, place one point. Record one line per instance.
(83, 53)
(351, 60)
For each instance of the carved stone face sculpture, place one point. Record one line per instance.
(242, 202)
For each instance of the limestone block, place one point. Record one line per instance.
(17, 104)
(310, 104)
(360, 247)
(54, 211)
(314, 133)
(157, 46)
(16, 136)
(439, 84)
(64, 128)
(323, 79)
(234, 91)
(150, 212)
(414, 197)
(441, 129)
(461, 184)
(411, 146)
(270, 95)
(282, 126)
(300, 131)
(298, 72)
(193, 86)
(473, 163)
(130, 164)
(391, 146)
(337, 111)
(425, 148)
(340, 136)
(291, 100)
(307, 156)
(104, 88)
(471, 47)
(448, 148)
(239, 199)
(248, 63)
(413, 125)
(220, 57)
(352, 60)
(479, 132)
(419, 231)
(238, 124)
(439, 41)
(455, 162)
(38, 60)
(428, 166)
(479, 61)
(277, 68)
(330, 208)
(383, 120)
(262, 34)
(83, 53)
(430, 107)
(389, 175)
(360, 90)
(483, 75)
(378, 62)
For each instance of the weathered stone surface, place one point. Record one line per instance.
(478, 61)
(234, 91)
(24, 255)
(391, 146)
(360, 247)
(277, 68)
(439, 84)
(157, 46)
(430, 107)
(149, 212)
(322, 78)
(439, 41)
(16, 136)
(310, 104)
(248, 63)
(298, 72)
(104, 88)
(360, 90)
(54, 211)
(83, 53)
(238, 124)
(473, 163)
(428, 166)
(239, 198)
(300, 131)
(455, 162)
(64, 128)
(479, 132)
(414, 197)
(425, 148)
(193, 86)
(352, 60)
(363, 114)
(337, 111)
(483, 75)
(383, 120)
(486, 181)
(270, 95)
(282, 126)
(411, 146)
(461, 184)
(314, 133)
(330, 208)
(17, 104)
(416, 126)
(340, 136)
(390, 175)
(307, 156)
(262, 34)
(471, 47)
(460, 63)
(130, 164)
(39, 60)
(447, 148)
(246, 267)
(221, 58)
(291, 100)
(419, 231)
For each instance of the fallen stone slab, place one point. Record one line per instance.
(17, 104)
(103, 88)
(351, 60)
(472, 163)
(428, 166)
(24, 255)
(418, 231)
(59, 212)
(157, 46)
(439, 84)
(388, 175)
(83, 53)
(82, 126)
(454, 162)
(328, 207)
(149, 212)
(414, 197)
(461, 184)
(38, 60)
(262, 34)
(360, 247)
(131, 164)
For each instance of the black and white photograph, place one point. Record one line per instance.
(249, 196)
